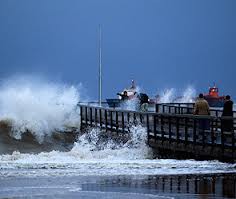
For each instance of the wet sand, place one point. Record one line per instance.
(174, 186)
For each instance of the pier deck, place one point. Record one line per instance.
(171, 130)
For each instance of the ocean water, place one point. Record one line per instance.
(37, 159)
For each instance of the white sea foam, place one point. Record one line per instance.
(37, 105)
(90, 157)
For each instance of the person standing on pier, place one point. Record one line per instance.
(227, 124)
(144, 100)
(124, 99)
(202, 108)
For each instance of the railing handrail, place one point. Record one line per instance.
(162, 106)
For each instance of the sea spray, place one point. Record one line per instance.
(90, 147)
(188, 96)
(37, 106)
(168, 96)
(132, 105)
(171, 95)
(130, 146)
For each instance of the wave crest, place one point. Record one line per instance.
(38, 106)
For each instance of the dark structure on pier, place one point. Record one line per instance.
(172, 130)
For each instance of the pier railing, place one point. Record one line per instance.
(201, 136)
(185, 108)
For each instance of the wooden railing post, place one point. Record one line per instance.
(188, 110)
(177, 129)
(96, 116)
(212, 133)
(141, 118)
(203, 136)
(186, 130)
(157, 108)
(162, 128)
(117, 121)
(134, 118)
(233, 140)
(148, 128)
(155, 127)
(91, 116)
(81, 116)
(123, 121)
(194, 130)
(86, 115)
(222, 139)
(106, 119)
(169, 126)
(100, 117)
(111, 120)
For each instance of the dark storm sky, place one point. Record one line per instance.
(159, 43)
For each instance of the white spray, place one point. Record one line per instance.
(188, 95)
(167, 96)
(37, 105)
(170, 96)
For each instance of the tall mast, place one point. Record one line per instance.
(100, 65)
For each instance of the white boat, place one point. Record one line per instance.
(131, 93)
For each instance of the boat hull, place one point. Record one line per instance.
(215, 101)
(113, 103)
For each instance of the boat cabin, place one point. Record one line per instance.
(131, 92)
(214, 91)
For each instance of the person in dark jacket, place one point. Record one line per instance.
(227, 123)
(144, 100)
(124, 95)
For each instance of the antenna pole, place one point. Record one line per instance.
(100, 65)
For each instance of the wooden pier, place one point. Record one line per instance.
(172, 130)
